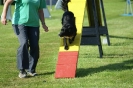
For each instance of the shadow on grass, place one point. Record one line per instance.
(47, 73)
(117, 55)
(107, 55)
(82, 72)
(112, 36)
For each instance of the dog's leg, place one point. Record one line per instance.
(72, 39)
(65, 44)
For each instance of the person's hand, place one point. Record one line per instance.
(45, 28)
(3, 20)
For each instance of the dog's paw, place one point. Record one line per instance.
(66, 47)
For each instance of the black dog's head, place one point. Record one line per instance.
(67, 30)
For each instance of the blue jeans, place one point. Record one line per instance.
(28, 51)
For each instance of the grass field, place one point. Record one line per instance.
(114, 70)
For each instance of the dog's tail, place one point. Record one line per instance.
(64, 5)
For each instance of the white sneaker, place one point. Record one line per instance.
(22, 74)
(32, 74)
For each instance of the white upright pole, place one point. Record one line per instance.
(50, 5)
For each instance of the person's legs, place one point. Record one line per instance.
(29, 40)
(33, 36)
(22, 53)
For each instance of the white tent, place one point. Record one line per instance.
(46, 13)
(9, 15)
(58, 4)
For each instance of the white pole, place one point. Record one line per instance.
(50, 5)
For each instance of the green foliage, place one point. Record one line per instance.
(114, 70)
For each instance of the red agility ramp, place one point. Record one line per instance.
(66, 64)
(67, 59)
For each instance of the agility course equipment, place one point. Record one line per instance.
(128, 9)
(89, 35)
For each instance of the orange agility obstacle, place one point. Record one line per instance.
(67, 59)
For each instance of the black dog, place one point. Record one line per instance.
(69, 30)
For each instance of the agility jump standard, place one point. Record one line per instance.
(67, 59)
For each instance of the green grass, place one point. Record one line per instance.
(114, 70)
